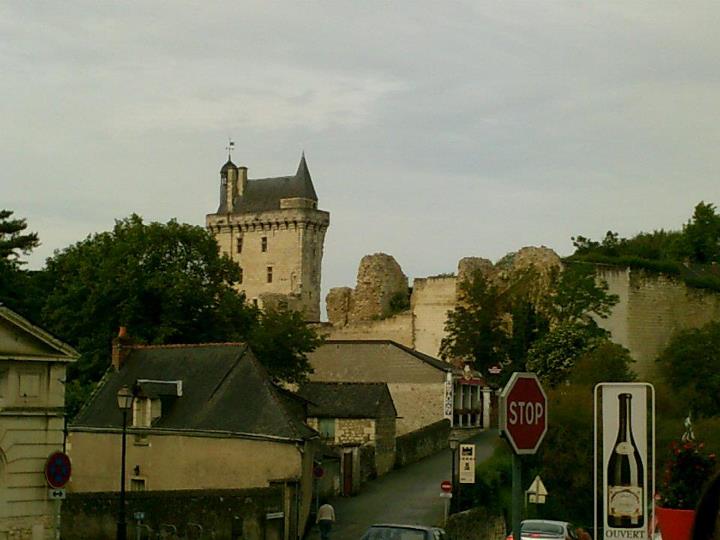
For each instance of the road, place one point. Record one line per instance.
(409, 495)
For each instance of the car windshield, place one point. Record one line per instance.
(393, 533)
(542, 527)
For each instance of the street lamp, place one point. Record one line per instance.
(454, 442)
(125, 400)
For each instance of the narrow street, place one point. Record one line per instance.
(409, 495)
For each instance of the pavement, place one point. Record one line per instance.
(410, 495)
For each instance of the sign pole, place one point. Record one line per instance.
(516, 495)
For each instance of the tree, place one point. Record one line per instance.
(475, 328)
(689, 365)
(494, 325)
(168, 284)
(12, 240)
(701, 235)
(18, 287)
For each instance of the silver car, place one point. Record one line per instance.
(546, 529)
(403, 532)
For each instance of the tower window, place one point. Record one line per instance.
(239, 244)
(269, 274)
(263, 244)
(240, 277)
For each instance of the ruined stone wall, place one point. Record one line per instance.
(431, 299)
(398, 328)
(652, 308)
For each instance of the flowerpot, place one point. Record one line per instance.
(674, 524)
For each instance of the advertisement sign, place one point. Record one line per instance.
(624, 459)
(449, 398)
(467, 463)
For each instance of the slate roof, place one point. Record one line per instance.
(427, 359)
(264, 194)
(224, 389)
(347, 400)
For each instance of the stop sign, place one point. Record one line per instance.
(524, 412)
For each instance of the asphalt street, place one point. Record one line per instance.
(410, 495)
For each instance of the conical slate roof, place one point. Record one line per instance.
(264, 194)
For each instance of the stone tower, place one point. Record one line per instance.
(272, 228)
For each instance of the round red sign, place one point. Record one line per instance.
(446, 486)
(57, 470)
(523, 412)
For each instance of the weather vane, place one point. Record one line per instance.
(230, 147)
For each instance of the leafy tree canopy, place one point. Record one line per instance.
(168, 284)
(689, 365)
(497, 325)
(697, 242)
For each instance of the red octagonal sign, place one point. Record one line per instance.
(524, 412)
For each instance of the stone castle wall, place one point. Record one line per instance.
(651, 309)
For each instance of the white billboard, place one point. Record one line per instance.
(624, 460)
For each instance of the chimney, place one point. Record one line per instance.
(120, 348)
(242, 180)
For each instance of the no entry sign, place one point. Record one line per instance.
(446, 486)
(524, 412)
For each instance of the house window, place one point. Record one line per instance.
(326, 427)
(137, 484)
(269, 274)
(263, 244)
(239, 244)
(240, 276)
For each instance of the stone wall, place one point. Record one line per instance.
(398, 328)
(431, 299)
(422, 443)
(652, 308)
(380, 281)
(247, 514)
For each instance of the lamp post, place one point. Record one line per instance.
(125, 400)
(454, 442)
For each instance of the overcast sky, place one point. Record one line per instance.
(433, 130)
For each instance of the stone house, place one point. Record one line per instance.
(273, 230)
(424, 390)
(32, 405)
(205, 418)
(353, 417)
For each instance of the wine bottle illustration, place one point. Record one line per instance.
(625, 477)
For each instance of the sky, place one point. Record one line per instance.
(432, 130)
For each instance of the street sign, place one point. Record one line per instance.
(445, 495)
(537, 492)
(56, 493)
(57, 470)
(524, 412)
(467, 463)
(495, 370)
(446, 486)
(624, 459)
(318, 471)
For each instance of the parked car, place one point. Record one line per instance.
(403, 532)
(533, 529)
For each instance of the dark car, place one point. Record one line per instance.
(403, 532)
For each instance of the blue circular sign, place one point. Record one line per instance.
(57, 470)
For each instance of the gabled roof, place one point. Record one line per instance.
(30, 342)
(264, 194)
(224, 389)
(348, 400)
(425, 358)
